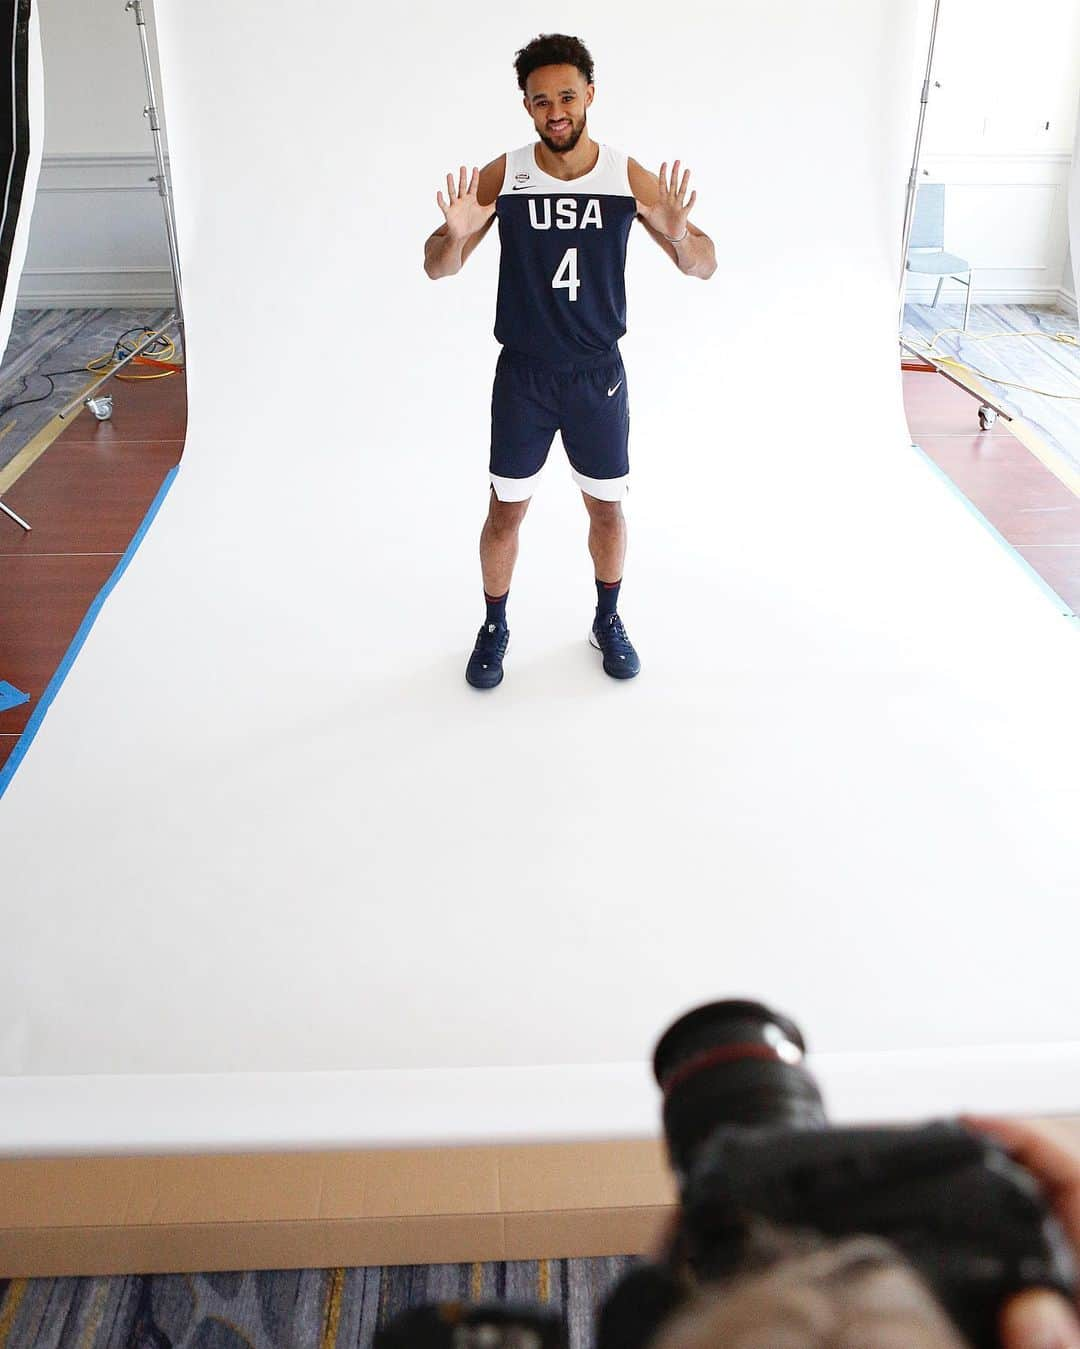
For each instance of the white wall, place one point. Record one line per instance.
(98, 233)
(999, 133)
(94, 86)
(1005, 71)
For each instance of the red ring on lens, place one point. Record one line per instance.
(711, 1057)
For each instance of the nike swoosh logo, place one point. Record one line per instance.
(615, 390)
(523, 188)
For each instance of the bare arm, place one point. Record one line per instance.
(695, 255)
(445, 255)
(469, 212)
(691, 257)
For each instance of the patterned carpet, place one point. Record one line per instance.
(283, 1309)
(57, 339)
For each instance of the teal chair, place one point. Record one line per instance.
(926, 248)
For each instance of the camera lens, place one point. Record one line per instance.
(734, 1062)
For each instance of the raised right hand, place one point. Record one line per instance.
(464, 214)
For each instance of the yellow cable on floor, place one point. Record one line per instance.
(1068, 339)
(97, 367)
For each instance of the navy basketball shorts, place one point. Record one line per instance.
(587, 403)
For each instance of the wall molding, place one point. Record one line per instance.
(87, 249)
(99, 173)
(1041, 156)
(953, 292)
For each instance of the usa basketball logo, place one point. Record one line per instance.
(521, 177)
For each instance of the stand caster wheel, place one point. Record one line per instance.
(987, 417)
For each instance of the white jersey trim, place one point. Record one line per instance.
(609, 177)
(515, 489)
(604, 489)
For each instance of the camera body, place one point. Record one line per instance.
(749, 1140)
(967, 1218)
(750, 1144)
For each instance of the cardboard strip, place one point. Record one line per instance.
(121, 1215)
(313, 1210)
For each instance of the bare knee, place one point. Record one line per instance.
(603, 514)
(504, 517)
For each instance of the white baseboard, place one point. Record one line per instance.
(94, 291)
(1051, 296)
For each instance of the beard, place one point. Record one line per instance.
(567, 142)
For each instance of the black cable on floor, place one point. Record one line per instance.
(99, 364)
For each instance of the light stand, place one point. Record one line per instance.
(12, 516)
(161, 178)
(988, 411)
(913, 177)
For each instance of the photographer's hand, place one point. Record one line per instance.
(1038, 1318)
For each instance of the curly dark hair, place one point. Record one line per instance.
(552, 49)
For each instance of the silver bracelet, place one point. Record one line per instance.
(681, 237)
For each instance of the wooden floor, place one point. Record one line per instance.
(88, 493)
(1022, 499)
(85, 497)
(66, 340)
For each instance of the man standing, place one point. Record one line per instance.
(565, 207)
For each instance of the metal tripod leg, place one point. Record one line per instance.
(17, 518)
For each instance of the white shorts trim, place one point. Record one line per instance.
(604, 489)
(514, 489)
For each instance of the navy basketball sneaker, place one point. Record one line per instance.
(485, 669)
(609, 637)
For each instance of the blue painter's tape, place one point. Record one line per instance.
(10, 696)
(38, 715)
(1048, 590)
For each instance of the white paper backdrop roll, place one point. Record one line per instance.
(267, 828)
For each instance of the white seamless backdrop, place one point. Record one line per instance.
(267, 828)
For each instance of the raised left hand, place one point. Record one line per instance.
(671, 212)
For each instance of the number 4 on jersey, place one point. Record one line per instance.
(566, 277)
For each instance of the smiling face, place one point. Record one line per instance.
(556, 98)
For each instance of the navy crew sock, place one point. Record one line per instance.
(496, 608)
(607, 597)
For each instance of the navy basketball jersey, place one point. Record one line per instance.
(562, 293)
